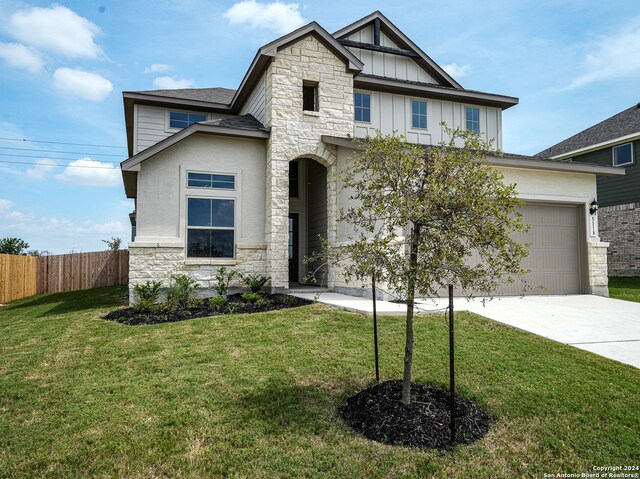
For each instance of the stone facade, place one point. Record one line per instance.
(298, 134)
(598, 277)
(620, 226)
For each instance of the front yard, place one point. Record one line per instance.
(257, 395)
(627, 288)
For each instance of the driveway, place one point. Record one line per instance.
(605, 326)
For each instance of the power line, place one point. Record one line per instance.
(13, 155)
(66, 166)
(61, 152)
(62, 143)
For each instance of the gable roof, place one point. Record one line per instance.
(211, 95)
(624, 124)
(401, 39)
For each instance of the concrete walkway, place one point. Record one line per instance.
(604, 326)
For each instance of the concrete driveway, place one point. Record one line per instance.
(605, 326)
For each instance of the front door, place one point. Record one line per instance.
(293, 248)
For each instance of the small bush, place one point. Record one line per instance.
(223, 280)
(218, 302)
(181, 289)
(255, 281)
(251, 297)
(263, 303)
(148, 293)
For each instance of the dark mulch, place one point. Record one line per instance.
(378, 413)
(201, 308)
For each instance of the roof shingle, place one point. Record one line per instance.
(212, 95)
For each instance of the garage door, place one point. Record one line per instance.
(554, 254)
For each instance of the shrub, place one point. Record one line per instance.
(263, 303)
(148, 293)
(255, 281)
(251, 297)
(181, 289)
(223, 280)
(218, 302)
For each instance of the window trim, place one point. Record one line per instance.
(206, 188)
(426, 113)
(218, 228)
(363, 92)
(613, 155)
(167, 117)
(479, 132)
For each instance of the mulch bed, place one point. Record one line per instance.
(201, 308)
(378, 413)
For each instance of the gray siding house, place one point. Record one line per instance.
(246, 178)
(612, 142)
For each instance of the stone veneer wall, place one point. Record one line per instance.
(598, 277)
(298, 134)
(620, 226)
(159, 263)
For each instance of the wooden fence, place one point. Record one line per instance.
(22, 276)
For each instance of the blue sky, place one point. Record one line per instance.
(64, 65)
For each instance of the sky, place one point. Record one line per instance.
(64, 65)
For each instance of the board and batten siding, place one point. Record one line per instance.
(255, 104)
(392, 113)
(616, 190)
(387, 65)
(152, 125)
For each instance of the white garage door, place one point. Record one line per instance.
(554, 254)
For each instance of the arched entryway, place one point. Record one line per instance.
(308, 219)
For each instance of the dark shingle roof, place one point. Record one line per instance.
(213, 95)
(243, 122)
(622, 124)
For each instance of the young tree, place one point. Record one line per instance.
(418, 215)
(11, 245)
(113, 244)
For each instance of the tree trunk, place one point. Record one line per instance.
(411, 291)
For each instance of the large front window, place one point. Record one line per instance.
(210, 228)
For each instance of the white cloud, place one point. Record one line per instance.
(277, 16)
(169, 83)
(157, 68)
(56, 29)
(5, 204)
(20, 56)
(88, 172)
(90, 86)
(613, 56)
(455, 70)
(43, 168)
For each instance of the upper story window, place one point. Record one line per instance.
(473, 119)
(418, 114)
(183, 120)
(210, 228)
(211, 180)
(310, 96)
(623, 154)
(362, 102)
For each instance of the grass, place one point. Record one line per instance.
(627, 288)
(256, 396)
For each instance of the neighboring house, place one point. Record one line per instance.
(246, 178)
(612, 142)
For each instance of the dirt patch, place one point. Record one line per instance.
(379, 414)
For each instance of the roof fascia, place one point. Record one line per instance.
(397, 86)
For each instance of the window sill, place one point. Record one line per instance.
(210, 262)
(311, 113)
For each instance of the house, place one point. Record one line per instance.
(612, 142)
(245, 178)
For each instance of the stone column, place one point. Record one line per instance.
(598, 277)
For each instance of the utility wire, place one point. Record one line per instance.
(52, 158)
(63, 143)
(61, 152)
(66, 166)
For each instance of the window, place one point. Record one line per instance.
(210, 180)
(418, 114)
(183, 120)
(623, 154)
(473, 119)
(294, 181)
(362, 103)
(310, 96)
(210, 228)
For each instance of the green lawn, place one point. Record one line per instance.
(256, 396)
(625, 288)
